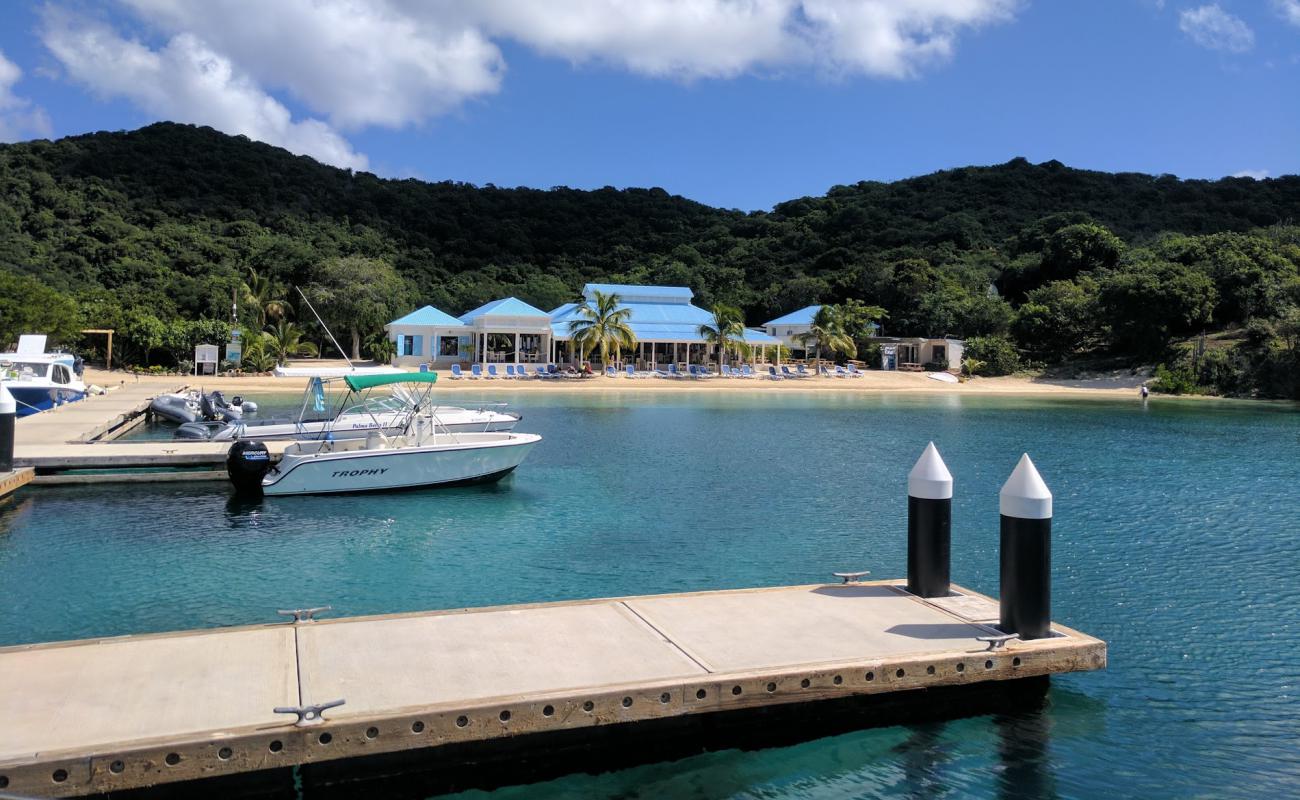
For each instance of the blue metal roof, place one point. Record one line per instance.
(803, 316)
(427, 316)
(679, 294)
(656, 322)
(753, 336)
(509, 307)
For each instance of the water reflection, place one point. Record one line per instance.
(1024, 769)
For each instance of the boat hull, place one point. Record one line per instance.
(407, 468)
(34, 399)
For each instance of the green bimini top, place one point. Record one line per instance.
(358, 382)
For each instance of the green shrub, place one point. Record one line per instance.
(1178, 380)
(990, 356)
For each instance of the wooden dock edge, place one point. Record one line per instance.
(14, 480)
(145, 763)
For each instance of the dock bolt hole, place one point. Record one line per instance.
(588, 706)
(805, 683)
(701, 694)
(504, 716)
(548, 711)
(462, 721)
(871, 676)
(988, 665)
(1015, 662)
(736, 690)
(416, 727)
(117, 768)
(838, 680)
(60, 775)
(275, 746)
(665, 697)
(173, 759)
(225, 753)
(372, 733)
(771, 687)
(929, 670)
(325, 738)
(4, 781)
(900, 673)
(627, 702)
(961, 667)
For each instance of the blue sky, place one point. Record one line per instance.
(737, 104)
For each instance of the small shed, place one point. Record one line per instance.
(206, 358)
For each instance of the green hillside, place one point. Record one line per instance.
(152, 231)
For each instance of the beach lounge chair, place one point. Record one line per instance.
(825, 373)
(510, 370)
(660, 372)
(854, 372)
(552, 371)
(840, 372)
(772, 373)
(539, 371)
(630, 371)
(673, 371)
(476, 371)
(610, 372)
(492, 373)
(747, 371)
(786, 373)
(456, 374)
(803, 373)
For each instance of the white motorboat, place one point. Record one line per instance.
(39, 380)
(421, 454)
(385, 414)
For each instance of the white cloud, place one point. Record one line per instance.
(1289, 10)
(187, 81)
(1257, 174)
(19, 119)
(392, 63)
(1212, 27)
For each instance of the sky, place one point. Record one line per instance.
(734, 103)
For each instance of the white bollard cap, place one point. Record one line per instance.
(1024, 495)
(7, 403)
(930, 478)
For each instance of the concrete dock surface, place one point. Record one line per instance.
(126, 712)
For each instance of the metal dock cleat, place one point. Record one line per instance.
(997, 642)
(852, 577)
(308, 715)
(304, 614)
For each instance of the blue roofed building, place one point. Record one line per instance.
(428, 336)
(509, 331)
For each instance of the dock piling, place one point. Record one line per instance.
(1025, 504)
(929, 525)
(8, 414)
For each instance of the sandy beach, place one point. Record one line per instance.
(1125, 386)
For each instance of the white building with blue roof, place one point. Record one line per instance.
(428, 336)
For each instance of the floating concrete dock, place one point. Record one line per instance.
(112, 714)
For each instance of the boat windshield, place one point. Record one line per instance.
(379, 405)
(18, 370)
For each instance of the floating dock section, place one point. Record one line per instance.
(113, 714)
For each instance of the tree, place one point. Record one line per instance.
(602, 325)
(266, 297)
(828, 329)
(1058, 318)
(29, 306)
(284, 341)
(726, 332)
(356, 294)
(381, 348)
(1150, 301)
(257, 354)
(990, 356)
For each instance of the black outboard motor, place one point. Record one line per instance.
(246, 464)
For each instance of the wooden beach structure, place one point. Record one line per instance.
(104, 715)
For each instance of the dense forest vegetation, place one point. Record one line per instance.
(154, 232)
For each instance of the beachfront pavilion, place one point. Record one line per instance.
(509, 331)
(666, 325)
(428, 336)
(790, 327)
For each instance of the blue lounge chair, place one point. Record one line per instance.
(510, 370)
(552, 371)
(822, 369)
(786, 373)
(476, 371)
(630, 370)
(854, 372)
(747, 372)
(540, 371)
(660, 372)
(840, 372)
(772, 373)
(610, 372)
(456, 374)
(492, 372)
(803, 373)
(673, 371)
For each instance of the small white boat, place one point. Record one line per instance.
(385, 414)
(195, 406)
(39, 380)
(422, 454)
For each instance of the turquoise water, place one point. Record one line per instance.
(1176, 540)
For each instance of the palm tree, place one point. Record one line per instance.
(257, 356)
(284, 341)
(726, 332)
(602, 325)
(381, 348)
(266, 296)
(829, 329)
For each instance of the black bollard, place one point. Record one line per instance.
(929, 525)
(8, 413)
(1026, 553)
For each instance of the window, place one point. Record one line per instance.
(406, 347)
(940, 354)
(448, 346)
(60, 374)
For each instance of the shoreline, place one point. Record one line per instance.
(874, 382)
